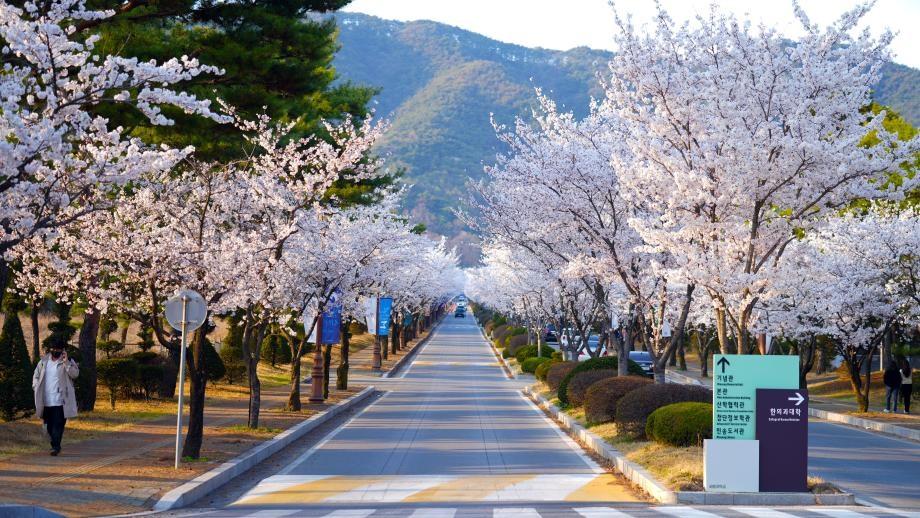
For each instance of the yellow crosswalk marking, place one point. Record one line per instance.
(603, 488)
(314, 491)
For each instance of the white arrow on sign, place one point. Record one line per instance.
(798, 399)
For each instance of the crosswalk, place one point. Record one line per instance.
(566, 511)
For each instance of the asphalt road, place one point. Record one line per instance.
(452, 429)
(878, 469)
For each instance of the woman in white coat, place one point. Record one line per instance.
(55, 400)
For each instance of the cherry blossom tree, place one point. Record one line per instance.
(58, 160)
(741, 140)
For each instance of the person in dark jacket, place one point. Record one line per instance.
(907, 384)
(892, 381)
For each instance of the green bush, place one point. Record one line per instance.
(557, 355)
(147, 358)
(498, 335)
(530, 364)
(635, 407)
(543, 368)
(680, 424)
(516, 342)
(602, 397)
(582, 381)
(531, 352)
(606, 362)
(213, 363)
(235, 372)
(150, 376)
(16, 397)
(558, 372)
(119, 375)
(110, 347)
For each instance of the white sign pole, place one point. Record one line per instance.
(184, 324)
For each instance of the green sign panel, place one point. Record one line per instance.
(736, 380)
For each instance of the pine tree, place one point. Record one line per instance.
(15, 366)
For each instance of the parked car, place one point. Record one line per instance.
(644, 359)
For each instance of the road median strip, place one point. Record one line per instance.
(208, 482)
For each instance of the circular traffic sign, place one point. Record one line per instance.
(196, 310)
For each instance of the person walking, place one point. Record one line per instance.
(55, 400)
(906, 384)
(892, 379)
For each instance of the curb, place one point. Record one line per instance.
(205, 483)
(704, 498)
(415, 350)
(834, 417)
(635, 473)
(866, 424)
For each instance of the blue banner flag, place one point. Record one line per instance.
(383, 316)
(332, 321)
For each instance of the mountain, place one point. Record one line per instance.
(439, 84)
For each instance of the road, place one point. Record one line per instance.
(453, 438)
(878, 469)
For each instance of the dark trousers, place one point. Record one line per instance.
(55, 421)
(906, 390)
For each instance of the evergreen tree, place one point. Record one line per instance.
(15, 367)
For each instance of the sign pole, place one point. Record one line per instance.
(184, 324)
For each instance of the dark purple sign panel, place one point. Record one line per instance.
(782, 429)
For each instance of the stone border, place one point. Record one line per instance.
(412, 353)
(866, 424)
(835, 417)
(206, 483)
(632, 471)
(704, 498)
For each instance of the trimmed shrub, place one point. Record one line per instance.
(543, 369)
(606, 362)
(530, 364)
(499, 333)
(581, 382)
(150, 376)
(119, 375)
(146, 358)
(235, 372)
(635, 407)
(602, 397)
(355, 328)
(516, 342)
(110, 347)
(16, 396)
(531, 352)
(488, 327)
(680, 424)
(558, 372)
(557, 355)
(213, 363)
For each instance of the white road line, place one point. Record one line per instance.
(762, 512)
(350, 513)
(392, 490)
(515, 512)
(837, 513)
(684, 512)
(894, 512)
(565, 437)
(600, 512)
(299, 460)
(433, 512)
(274, 513)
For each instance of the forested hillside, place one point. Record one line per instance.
(439, 84)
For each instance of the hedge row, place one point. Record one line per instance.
(680, 424)
(635, 407)
(606, 362)
(602, 397)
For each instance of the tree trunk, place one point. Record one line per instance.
(33, 320)
(293, 403)
(682, 356)
(170, 375)
(87, 344)
(5, 275)
(384, 347)
(806, 360)
(124, 333)
(721, 331)
(394, 343)
(198, 379)
(252, 338)
(341, 374)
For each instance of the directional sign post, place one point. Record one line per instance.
(185, 312)
(782, 431)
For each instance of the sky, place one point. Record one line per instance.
(542, 23)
